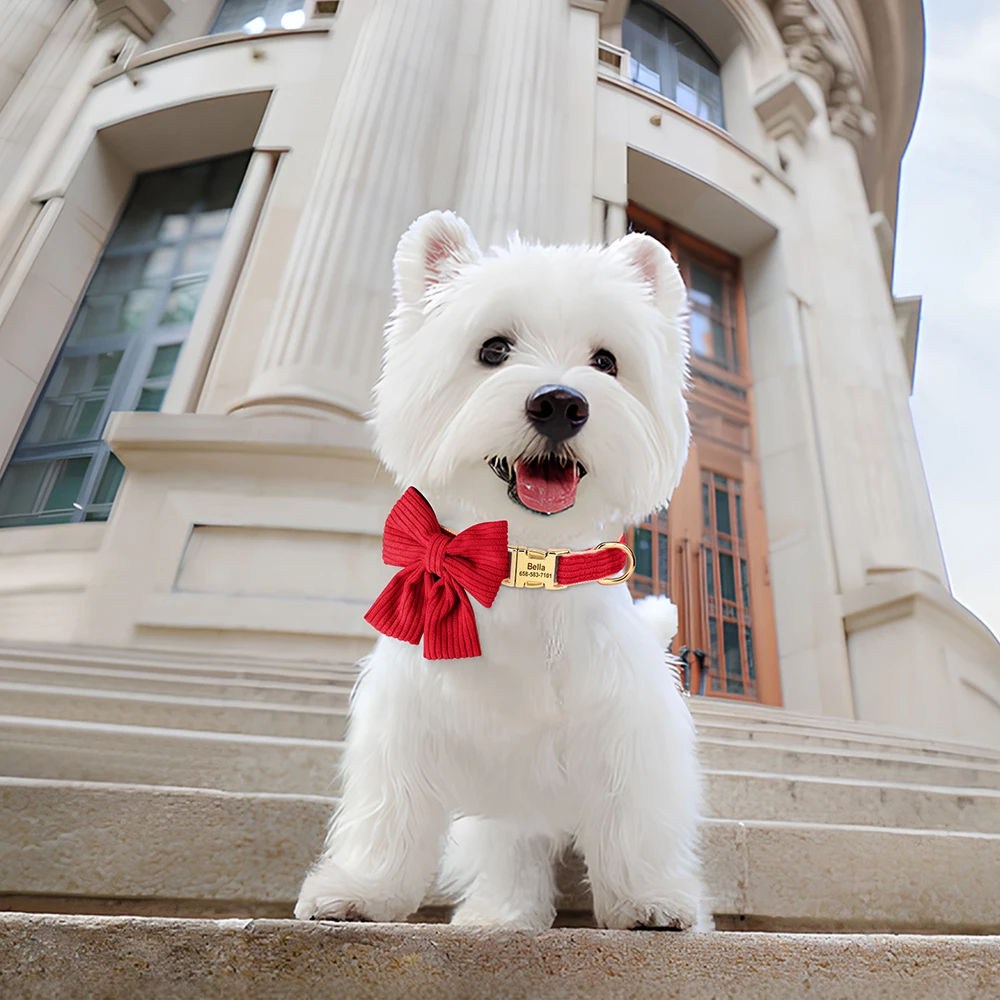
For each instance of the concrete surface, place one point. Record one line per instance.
(44, 957)
(236, 852)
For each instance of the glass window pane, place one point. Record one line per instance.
(706, 287)
(150, 400)
(211, 222)
(137, 306)
(110, 481)
(713, 637)
(745, 580)
(643, 552)
(663, 559)
(182, 303)
(173, 227)
(199, 256)
(66, 489)
(641, 588)
(705, 334)
(164, 361)
(734, 662)
(63, 414)
(739, 516)
(20, 487)
(255, 16)
(750, 667)
(706, 506)
(86, 418)
(709, 572)
(722, 522)
(727, 577)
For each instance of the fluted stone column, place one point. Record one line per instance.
(516, 169)
(470, 105)
(24, 26)
(320, 355)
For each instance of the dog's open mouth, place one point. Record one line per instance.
(546, 485)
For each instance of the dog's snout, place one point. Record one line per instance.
(557, 411)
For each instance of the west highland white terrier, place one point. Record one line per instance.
(539, 390)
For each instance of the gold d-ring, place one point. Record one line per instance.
(609, 581)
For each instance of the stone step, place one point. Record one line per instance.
(84, 751)
(121, 958)
(198, 664)
(220, 715)
(327, 694)
(866, 765)
(92, 751)
(321, 685)
(195, 851)
(328, 722)
(766, 716)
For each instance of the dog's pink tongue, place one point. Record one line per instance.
(546, 487)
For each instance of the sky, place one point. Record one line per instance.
(948, 251)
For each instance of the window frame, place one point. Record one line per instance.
(673, 52)
(132, 373)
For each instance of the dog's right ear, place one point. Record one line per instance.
(430, 253)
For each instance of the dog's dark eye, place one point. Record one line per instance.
(605, 361)
(495, 351)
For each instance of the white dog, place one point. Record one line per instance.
(569, 728)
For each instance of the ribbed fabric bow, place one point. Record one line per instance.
(429, 596)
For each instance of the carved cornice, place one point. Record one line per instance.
(812, 49)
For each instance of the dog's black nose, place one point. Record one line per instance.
(557, 411)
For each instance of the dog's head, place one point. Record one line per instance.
(535, 382)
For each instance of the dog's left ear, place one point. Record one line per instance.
(430, 253)
(654, 267)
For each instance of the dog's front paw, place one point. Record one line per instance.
(678, 911)
(327, 895)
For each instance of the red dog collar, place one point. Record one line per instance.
(429, 597)
(555, 569)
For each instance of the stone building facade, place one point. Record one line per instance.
(199, 200)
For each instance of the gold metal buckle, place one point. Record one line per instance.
(534, 567)
(610, 581)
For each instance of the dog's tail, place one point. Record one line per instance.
(660, 614)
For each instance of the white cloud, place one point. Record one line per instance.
(948, 250)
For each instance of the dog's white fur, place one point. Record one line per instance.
(571, 727)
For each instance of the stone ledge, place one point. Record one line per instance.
(236, 852)
(47, 956)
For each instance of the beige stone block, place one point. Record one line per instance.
(782, 409)
(805, 799)
(16, 392)
(33, 327)
(719, 754)
(138, 681)
(841, 877)
(157, 959)
(81, 751)
(172, 844)
(69, 255)
(81, 704)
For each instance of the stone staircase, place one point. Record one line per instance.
(148, 785)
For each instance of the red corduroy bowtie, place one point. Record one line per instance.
(429, 597)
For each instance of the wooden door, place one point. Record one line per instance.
(708, 552)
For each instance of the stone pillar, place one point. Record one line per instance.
(515, 172)
(321, 353)
(24, 26)
(444, 105)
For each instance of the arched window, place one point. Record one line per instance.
(667, 58)
(255, 16)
